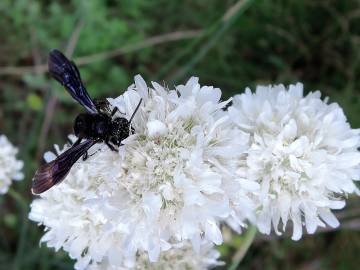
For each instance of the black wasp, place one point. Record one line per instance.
(97, 125)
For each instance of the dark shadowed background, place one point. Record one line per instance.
(228, 44)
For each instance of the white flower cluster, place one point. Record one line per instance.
(157, 203)
(166, 186)
(10, 167)
(303, 154)
(182, 257)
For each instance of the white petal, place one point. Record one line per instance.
(156, 128)
(212, 232)
(49, 156)
(207, 93)
(151, 205)
(264, 222)
(290, 130)
(311, 223)
(141, 86)
(329, 218)
(297, 226)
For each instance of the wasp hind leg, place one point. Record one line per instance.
(86, 155)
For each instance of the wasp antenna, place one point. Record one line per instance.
(136, 109)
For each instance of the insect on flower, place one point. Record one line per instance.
(97, 125)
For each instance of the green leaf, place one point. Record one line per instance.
(35, 102)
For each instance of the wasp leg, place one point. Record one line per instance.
(85, 156)
(114, 141)
(114, 111)
(111, 146)
(74, 143)
(77, 142)
(132, 130)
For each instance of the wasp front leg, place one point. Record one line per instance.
(115, 110)
(112, 148)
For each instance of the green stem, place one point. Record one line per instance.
(18, 198)
(24, 228)
(241, 252)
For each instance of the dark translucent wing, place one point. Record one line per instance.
(65, 72)
(55, 171)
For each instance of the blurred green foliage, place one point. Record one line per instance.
(315, 42)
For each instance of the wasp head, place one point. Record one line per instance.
(81, 125)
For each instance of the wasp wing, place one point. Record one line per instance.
(66, 72)
(55, 171)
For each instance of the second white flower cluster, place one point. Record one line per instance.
(271, 158)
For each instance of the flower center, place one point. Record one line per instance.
(153, 162)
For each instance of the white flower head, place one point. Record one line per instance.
(10, 167)
(303, 154)
(182, 257)
(168, 183)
